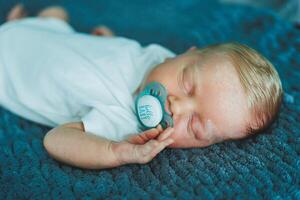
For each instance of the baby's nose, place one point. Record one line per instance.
(168, 107)
(181, 106)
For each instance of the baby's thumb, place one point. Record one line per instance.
(143, 137)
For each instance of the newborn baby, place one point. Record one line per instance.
(217, 93)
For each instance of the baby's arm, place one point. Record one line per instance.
(69, 143)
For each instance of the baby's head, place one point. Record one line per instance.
(217, 93)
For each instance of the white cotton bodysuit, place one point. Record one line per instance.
(52, 75)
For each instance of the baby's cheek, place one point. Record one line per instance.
(212, 133)
(180, 127)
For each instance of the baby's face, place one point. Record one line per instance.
(207, 104)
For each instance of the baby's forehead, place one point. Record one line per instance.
(216, 63)
(216, 68)
(216, 60)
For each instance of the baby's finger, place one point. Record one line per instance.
(161, 146)
(165, 134)
(159, 128)
(149, 150)
(144, 137)
(150, 134)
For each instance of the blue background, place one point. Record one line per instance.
(264, 166)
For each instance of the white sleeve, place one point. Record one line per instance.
(110, 125)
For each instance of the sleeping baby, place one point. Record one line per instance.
(111, 101)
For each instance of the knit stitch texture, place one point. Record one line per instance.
(265, 166)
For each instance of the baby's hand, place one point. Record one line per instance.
(145, 136)
(143, 153)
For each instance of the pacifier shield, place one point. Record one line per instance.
(149, 110)
(150, 106)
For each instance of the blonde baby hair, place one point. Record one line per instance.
(259, 79)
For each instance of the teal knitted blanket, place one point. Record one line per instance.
(265, 166)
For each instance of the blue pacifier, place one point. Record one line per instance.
(150, 106)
